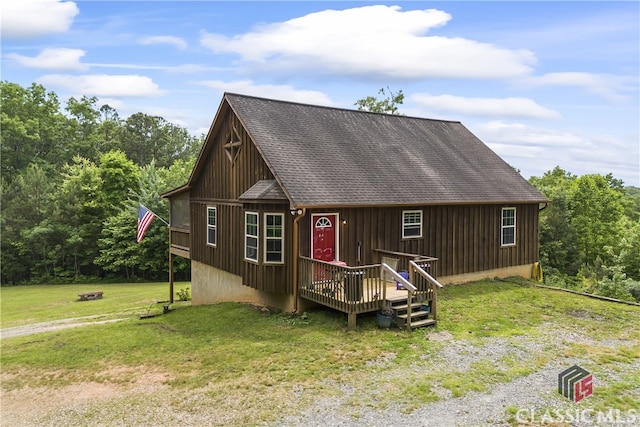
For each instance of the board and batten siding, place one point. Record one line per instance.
(465, 238)
(222, 179)
(221, 186)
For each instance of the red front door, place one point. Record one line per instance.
(324, 239)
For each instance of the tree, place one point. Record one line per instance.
(150, 138)
(27, 203)
(387, 105)
(83, 126)
(31, 127)
(596, 211)
(80, 213)
(558, 246)
(119, 176)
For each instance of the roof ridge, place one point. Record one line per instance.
(350, 110)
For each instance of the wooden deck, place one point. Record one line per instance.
(362, 289)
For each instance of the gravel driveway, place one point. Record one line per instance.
(148, 400)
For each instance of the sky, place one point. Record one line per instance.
(543, 84)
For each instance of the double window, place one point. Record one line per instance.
(273, 237)
(411, 224)
(508, 229)
(212, 227)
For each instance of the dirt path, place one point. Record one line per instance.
(54, 325)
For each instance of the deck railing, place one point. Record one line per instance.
(348, 289)
(426, 285)
(363, 289)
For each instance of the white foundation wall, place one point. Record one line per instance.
(210, 285)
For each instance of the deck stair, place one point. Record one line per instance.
(419, 317)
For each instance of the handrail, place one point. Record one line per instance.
(424, 274)
(410, 288)
(407, 285)
(407, 255)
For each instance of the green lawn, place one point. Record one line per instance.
(23, 305)
(252, 354)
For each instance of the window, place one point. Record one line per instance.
(211, 226)
(411, 224)
(274, 238)
(508, 230)
(251, 236)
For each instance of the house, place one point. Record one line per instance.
(291, 203)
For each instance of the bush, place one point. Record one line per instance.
(634, 289)
(184, 294)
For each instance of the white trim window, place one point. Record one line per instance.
(212, 226)
(411, 224)
(508, 228)
(273, 238)
(251, 236)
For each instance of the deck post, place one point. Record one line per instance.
(170, 277)
(351, 321)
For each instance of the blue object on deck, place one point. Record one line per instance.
(405, 275)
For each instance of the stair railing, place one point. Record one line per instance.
(406, 284)
(432, 280)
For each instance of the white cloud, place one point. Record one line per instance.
(170, 40)
(104, 85)
(518, 134)
(538, 150)
(25, 19)
(503, 107)
(378, 41)
(60, 59)
(606, 86)
(282, 92)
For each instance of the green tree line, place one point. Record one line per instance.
(73, 176)
(72, 179)
(590, 234)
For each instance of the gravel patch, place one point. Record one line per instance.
(358, 399)
(55, 325)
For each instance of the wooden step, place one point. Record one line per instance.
(422, 323)
(396, 299)
(416, 306)
(414, 315)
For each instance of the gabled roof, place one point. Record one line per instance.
(322, 156)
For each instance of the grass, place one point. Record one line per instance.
(260, 358)
(22, 305)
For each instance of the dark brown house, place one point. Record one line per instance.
(290, 203)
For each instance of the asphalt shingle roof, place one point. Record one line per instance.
(324, 156)
(266, 189)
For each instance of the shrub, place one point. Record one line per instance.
(184, 294)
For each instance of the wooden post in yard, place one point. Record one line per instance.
(351, 321)
(170, 277)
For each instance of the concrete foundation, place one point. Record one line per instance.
(210, 285)
(519, 270)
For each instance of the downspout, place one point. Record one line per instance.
(299, 213)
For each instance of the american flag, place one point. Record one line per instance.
(145, 216)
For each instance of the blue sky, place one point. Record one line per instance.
(544, 84)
